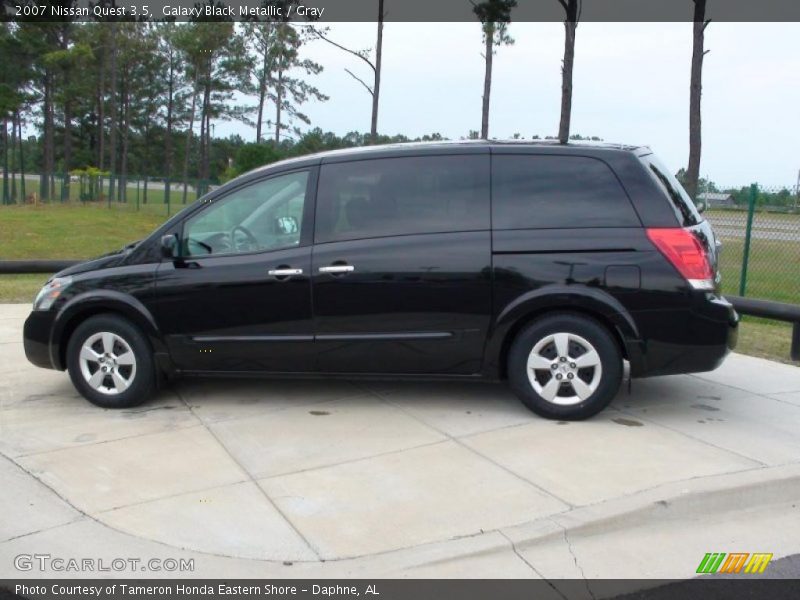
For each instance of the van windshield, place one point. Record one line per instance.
(684, 207)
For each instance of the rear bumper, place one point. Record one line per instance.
(36, 336)
(702, 337)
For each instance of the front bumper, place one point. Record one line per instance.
(36, 338)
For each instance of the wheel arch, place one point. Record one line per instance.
(588, 302)
(90, 304)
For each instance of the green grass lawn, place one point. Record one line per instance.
(20, 288)
(764, 338)
(73, 230)
(64, 231)
(773, 270)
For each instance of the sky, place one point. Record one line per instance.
(631, 85)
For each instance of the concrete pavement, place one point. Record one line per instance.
(388, 479)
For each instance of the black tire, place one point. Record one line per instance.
(142, 380)
(578, 327)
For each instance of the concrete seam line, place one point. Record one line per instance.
(693, 438)
(170, 497)
(36, 453)
(350, 461)
(77, 519)
(254, 482)
(472, 450)
(280, 409)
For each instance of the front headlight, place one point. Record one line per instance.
(51, 290)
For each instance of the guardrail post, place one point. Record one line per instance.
(795, 350)
(751, 207)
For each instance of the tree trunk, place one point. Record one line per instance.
(168, 141)
(262, 94)
(112, 135)
(202, 147)
(6, 188)
(189, 135)
(51, 146)
(262, 90)
(67, 143)
(101, 125)
(570, 26)
(122, 186)
(206, 169)
(278, 105)
(12, 149)
(695, 92)
(205, 122)
(487, 80)
(47, 158)
(376, 88)
(67, 149)
(21, 157)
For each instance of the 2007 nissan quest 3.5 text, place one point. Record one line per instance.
(543, 264)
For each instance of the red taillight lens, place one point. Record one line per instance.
(686, 254)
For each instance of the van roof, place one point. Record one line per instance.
(399, 149)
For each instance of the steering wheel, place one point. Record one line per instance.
(252, 242)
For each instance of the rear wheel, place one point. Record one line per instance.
(110, 362)
(565, 366)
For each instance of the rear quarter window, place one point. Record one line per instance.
(681, 203)
(557, 192)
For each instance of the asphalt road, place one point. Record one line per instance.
(764, 227)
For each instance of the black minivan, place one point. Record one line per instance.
(544, 264)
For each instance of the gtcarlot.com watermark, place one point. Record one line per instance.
(58, 564)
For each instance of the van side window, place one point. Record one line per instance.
(557, 192)
(684, 207)
(266, 215)
(402, 196)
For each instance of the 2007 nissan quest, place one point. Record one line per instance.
(547, 265)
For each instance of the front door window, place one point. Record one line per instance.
(266, 215)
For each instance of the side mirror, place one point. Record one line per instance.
(169, 246)
(701, 206)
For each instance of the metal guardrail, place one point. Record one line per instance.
(19, 267)
(767, 309)
(778, 311)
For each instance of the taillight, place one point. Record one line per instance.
(686, 254)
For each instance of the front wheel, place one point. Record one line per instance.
(565, 366)
(110, 362)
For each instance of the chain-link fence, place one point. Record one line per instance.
(156, 195)
(759, 227)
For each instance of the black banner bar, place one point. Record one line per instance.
(331, 11)
(705, 588)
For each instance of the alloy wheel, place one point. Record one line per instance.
(564, 368)
(107, 363)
